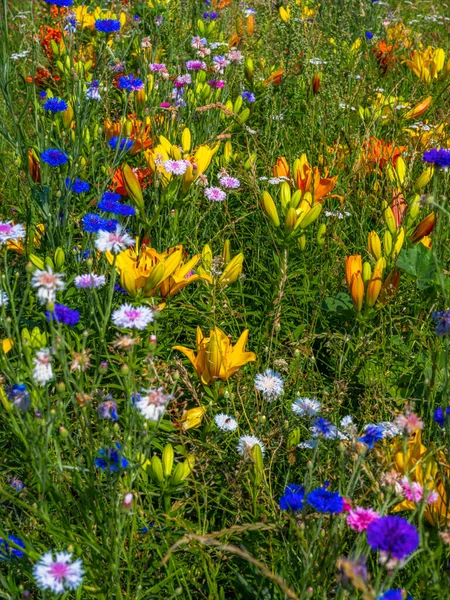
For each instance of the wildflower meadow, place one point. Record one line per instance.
(224, 299)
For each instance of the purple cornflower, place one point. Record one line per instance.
(108, 410)
(195, 65)
(130, 83)
(93, 223)
(216, 84)
(124, 143)
(369, 35)
(323, 428)
(111, 459)
(442, 322)
(230, 183)
(440, 417)
(215, 194)
(120, 290)
(324, 501)
(293, 498)
(372, 435)
(438, 157)
(156, 67)
(93, 91)
(55, 105)
(110, 203)
(210, 15)
(89, 281)
(77, 185)
(220, 62)
(394, 536)
(182, 80)
(54, 157)
(198, 42)
(107, 25)
(394, 594)
(17, 484)
(19, 396)
(60, 2)
(63, 314)
(249, 96)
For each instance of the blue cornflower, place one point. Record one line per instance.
(210, 15)
(55, 105)
(107, 25)
(110, 203)
(7, 552)
(130, 83)
(324, 501)
(54, 157)
(17, 484)
(372, 435)
(120, 290)
(77, 185)
(393, 535)
(249, 96)
(72, 22)
(323, 428)
(393, 594)
(60, 2)
(440, 417)
(63, 314)
(293, 498)
(438, 157)
(42, 95)
(93, 223)
(108, 410)
(111, 459)
(19, 396)
(124, 143)
(369, 35)
(443, 322)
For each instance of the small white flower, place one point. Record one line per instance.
(47, 284)
(58, 575)
(306, 407)
(390, 430)
(270, 384)
(225, 423)
(89, 280)
(10, 232)
(3, 298)
(347, 422)
(42, 371)
(277, 180)
(308, 444)
(246, 444)
(152, 403)
(128, 316)
(113, 241)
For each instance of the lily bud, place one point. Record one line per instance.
(226, 252)
(167, 460)
(140, 98)
(34, 166)
(155, 277)
(132, 186)
(285, 194)
(321, 234)
(311, 216)
(270, 209)
(248, 69)
(156, 470)
(424, 179)
(357, 291)
(227, 151)
(390, 287)
(425, 227)
(419, 109)
(59, 258)
(398, 243)
(316, 81)
(366, 272)
(375, 284)
(387, 243)
(400, 168)
(301, 241)
(296, 198)
(389, 218)
(232, 271)
(290, 221)
(374, 244)
(206, 258)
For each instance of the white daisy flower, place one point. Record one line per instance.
(10, 232)
(135, 317)
(225, 423)
(47, 284)
(306, 407)
(152, 403)
(270, 384)
(60, 574)
(247, 443)
(113, 241)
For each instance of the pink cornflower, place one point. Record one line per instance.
(47, 284)
(235, 56)
(182, 80)
(409, 422)
(156, 67)
(113, 241)
(133, 317)
(195, 65)
(216, 84)
(215, 194)
(89, 280)
(176, 167)
(360, 518)
(58, 575)
(412, 491)
(10, 232)
(231, 183)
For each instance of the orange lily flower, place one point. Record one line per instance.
(274, 79)
(309, 179)
(353, 275)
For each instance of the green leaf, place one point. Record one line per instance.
(419, 263)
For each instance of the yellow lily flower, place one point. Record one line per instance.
(166, 273)
(6, 345)
(216, 357)
(231, 268)
(193, 418)
(426, 64)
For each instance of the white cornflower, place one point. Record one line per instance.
(60, 574)
(306, 407)
(9, 232)
(47, 284)
(176, 167)
(128, 316)
(89, 280)
(308, 445)
(113, 241)
(390, 430)
(347, 423)
(270, 384)
(3, 298)
(247, 443)
(225, 423)
(152, 403)
(42, 371)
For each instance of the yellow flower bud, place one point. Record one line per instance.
(366, 272)
(167, 460)
(389, 218)
(374, 244)
(311, 216)
(290, 221)
(387, 243)
(398, 243)
(424, 179)
(186, 139)
(270, 209)
(285, 194)
(321, 234)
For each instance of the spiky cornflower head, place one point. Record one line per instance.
(59, 574)
(55, 105)
(93, 90)
(108, 410)
(248, 96)
(176, 167)
(182, 80)
(63, 314)
(225, 423)
(270, 384)
(409, 422)
(60, 3)
(220, 63)
(7, 551)
(47, 284)
(246, 444)
(10, 232)
(438, 157)
(130, 83)
(113, 241)
(394, 594)
(211, 16)
(323, 428)
(4, 299)
(152, 403)
(293, 498)
(19, 396)
(215, 194)
(42, 370)
(81, 360)
(442, 319)
(107, 25)
(325, 501)
(121, 142)
(198, 42)
(110, 203)
(93, 223)
(394, 536)
(440, 417)
(216, 84)
(111, 459)
(372, 435)
(306, 407)
(78, 186)
(195, 65)
(54, 157)
(89, 281)
(132, 317)
(157, 67)
(17, 484)
(230, 183)
(360, 518)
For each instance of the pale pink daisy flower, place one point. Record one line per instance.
(47, 284)
(176, 167)
(58, 575)
(234, 56)
(113, 241)
(215, 194)
(152, 403)
(133, 317)
(231, 183)
(42, 371)
(409, 422)
(360, 518)
(10, 232)
(412, 491)
(247, 443)
(89, 280)
(432, 497)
